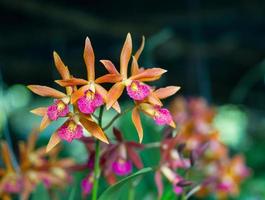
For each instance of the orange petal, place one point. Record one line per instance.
(126, 55)
(89, 59)
(79, 93)
(41, 111)
(6, 156)
(46, 91)
(71, 82)
(32, 140)
(45, 122)
(109, 78)
(139, 51)
(149, 74)
(109, 66)
(137, 123)
(153, 99)
(104, 93)
(54, 140)
(114, 94)
(172, 124)
(135, 67)
(163, 93)
(62, 69)
(94, 129)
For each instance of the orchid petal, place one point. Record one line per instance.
(79, 93)
(163, 93)
(135, 158)
(41, 111)
(45, 122)
(135, 67)
(149, 74)
(114, 94)
(71, 82)
(94, 129)
(153, 99)
(140, 50)
(54, 140)
(117, 134)
(46, 91)
(137, 123)
(104, 93)
(109, 66)
(159, 183)
(89, 59)
(6, 156)
(62, 69)
(125, 55)
(109, 78)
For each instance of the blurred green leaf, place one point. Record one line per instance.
(40, 193)
(114, 191)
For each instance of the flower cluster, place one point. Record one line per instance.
(35, 167)
(219, 173)
(116, 159)
(84, 96)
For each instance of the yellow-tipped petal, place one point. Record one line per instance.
(89, 59)
(54, 140)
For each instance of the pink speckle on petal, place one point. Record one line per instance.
(70, 130)
(122, 167)
(137, 90)
(177, 189)
(162, 116)
(87, 184)
(57, 109)
(89, 102)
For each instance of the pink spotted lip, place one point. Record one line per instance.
(70, 130)
(87, 184)
(122, 167)
(162, 116)
(89, 102)
(137, 90)
(57, 109)
(177, 189)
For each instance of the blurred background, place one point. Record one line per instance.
(212, 49)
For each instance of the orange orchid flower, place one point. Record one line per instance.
(71, 129)
(90, 95)
(136, 89)
(151, 106)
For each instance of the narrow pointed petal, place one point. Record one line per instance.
(172, 124)
(32, 140)
(71, 82)
(135, 158)
(159, 183)
(45, 122)
(117, 134)
(89, 59)
(135, 67)
(126, 55)
(137, 123)
(109, 78)
(163, 93)
(114, 94)
(151, 74)
(6, 156)
(109, 66)
(62, 69)
(104, 93)
(94, 129)
(153, 99)
(140, 50)
(79, 93)
(46, 91)
(41, 111)
(54, 140)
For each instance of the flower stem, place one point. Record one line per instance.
(97, 159)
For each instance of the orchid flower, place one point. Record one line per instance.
(135, 86)
(77, 120)
(91, 94)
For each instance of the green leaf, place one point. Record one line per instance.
(40, 193)
(114, 191)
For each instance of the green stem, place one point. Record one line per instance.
(116, 117)
(131, 193)
(97, 159)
